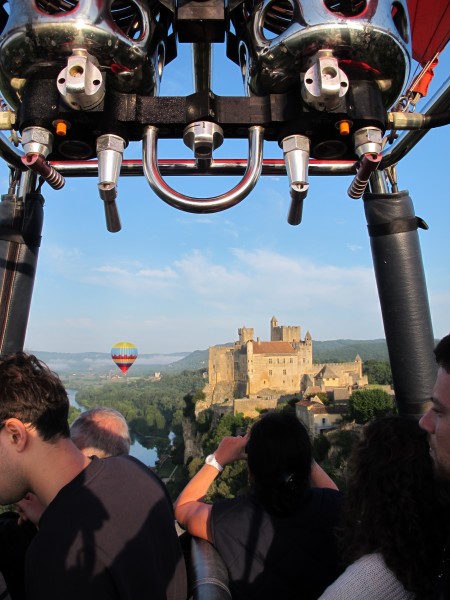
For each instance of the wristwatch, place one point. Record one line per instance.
(211, 460)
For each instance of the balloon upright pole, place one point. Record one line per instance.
(21, 219)
(402, 290)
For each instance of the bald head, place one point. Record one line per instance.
(101, 432)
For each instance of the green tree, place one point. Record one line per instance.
(73, 414)
(378, 371)
(368, 404)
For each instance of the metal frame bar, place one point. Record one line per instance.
(440, 102)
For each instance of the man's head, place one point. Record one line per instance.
(33, 394)
(101, 432)
(98, 432)
(436, 421)
(33, 420)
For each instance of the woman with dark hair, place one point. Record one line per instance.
(277, 541)
(392, 533)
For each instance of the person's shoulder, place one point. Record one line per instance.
(367, 578)
(131, 466)
(126, 462)
(323, 503)
(227, 506)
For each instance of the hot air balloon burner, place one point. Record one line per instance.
(296, 158)
(77, 60)
(280, 41)
(203, 137)
(81, 84)
(324, 83)
(110, 150)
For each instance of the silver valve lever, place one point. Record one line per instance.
(296, 158)
(110, 153)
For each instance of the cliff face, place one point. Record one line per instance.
(192, 445)
(216, 394)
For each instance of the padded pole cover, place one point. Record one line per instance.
(20, 238)
(403, 296)
(209, 575)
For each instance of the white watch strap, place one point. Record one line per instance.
(211, 460)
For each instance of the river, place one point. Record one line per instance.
(148, 456)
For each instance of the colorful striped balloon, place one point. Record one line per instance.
(124, 354)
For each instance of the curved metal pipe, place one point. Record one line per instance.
(10, 153)
(203, 205)
(220, 167)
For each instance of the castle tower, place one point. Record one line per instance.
(245, 334)
(273, 329)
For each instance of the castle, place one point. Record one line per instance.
(256, 373)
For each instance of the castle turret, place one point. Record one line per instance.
(273, 329)
(245, 334)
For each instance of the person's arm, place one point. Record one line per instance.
(320, 479)
(193, 514)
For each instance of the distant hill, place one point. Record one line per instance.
(147, 364)
(346, 350)
(101, 362)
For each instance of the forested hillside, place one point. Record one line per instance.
(150, 407)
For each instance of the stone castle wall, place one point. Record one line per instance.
(284, 366)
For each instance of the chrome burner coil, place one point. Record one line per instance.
(279, 39)
(123, 36)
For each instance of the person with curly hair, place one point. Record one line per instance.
(436, 422)
(277, 541)
(391, 534)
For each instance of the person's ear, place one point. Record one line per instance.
(17, 433)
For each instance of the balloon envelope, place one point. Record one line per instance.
(430, 27)
(124, 354)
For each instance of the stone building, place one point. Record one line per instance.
(317, 417)
(268, 370)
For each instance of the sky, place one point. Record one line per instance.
(171, 281)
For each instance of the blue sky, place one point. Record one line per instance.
(172, 281)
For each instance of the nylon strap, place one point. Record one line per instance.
(396, 226)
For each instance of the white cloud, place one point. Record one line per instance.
(354, 247)
(198, 301)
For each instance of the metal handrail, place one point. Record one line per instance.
(203, 205)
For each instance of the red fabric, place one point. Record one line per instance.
(421, 84)
(430, 26)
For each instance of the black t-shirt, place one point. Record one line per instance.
(108, 534)
(442, 591)
(271, 557)
(14, 542)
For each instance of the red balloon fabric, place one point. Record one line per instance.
(430, 27)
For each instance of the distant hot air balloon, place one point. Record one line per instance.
(124, 354)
